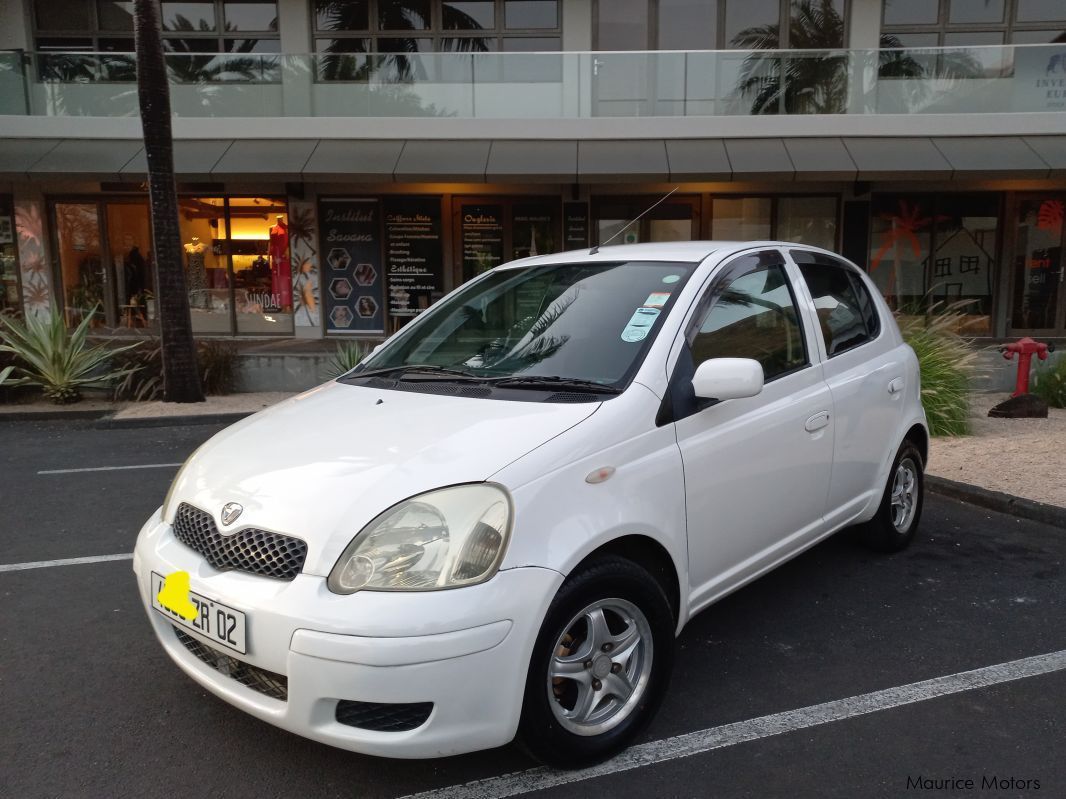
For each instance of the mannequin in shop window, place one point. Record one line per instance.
(196, 273)
(281, 272)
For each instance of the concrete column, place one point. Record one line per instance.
(14, 26)
(297, 72)
(864, 35)
(577, 67)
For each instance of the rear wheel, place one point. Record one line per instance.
(894, 525)
(600, 664)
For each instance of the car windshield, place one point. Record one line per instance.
(589, 323)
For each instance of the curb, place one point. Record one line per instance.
(111, 423)
(998, 501)
(51, 416)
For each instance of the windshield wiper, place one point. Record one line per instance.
(554, 382)
(420, 368)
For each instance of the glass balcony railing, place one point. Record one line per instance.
(1000, 79)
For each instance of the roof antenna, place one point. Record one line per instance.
(596, 248)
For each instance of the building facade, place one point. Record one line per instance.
(343, 163)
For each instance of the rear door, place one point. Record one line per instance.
(756, 469)
(864, 367)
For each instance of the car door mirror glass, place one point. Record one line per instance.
(728, 378)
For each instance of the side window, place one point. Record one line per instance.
(753, 315)
(866, 305)
(841, 316)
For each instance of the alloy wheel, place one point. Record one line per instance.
(600, 667)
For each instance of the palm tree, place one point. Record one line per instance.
(181, 379)
(817, 82)
(347, 60)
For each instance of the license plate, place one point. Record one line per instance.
(219, 623)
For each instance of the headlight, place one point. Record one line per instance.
(446, 538)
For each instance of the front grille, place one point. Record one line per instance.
(383, 716)
(247, 550)
(276, 686)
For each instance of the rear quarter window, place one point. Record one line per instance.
(847, 315)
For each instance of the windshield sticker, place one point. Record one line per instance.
(671, 278)
(639, 324)
(657, 299)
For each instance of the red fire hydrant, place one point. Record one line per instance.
(1025, 348)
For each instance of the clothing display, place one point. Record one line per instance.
(134, 270)
(281, 271)
(196, 274)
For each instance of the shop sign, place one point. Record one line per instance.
(482, 229)
(575, 226)
(414, 257)
(350, 240)
(1039, 79)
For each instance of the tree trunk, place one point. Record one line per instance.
(181, 379)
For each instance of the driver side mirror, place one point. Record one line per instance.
(728, 378)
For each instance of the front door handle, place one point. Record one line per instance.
(896, 386)
(817, 422)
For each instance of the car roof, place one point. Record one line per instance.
(674, 251)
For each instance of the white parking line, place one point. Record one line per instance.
(695, 743)
(44, 564)
(111, 468)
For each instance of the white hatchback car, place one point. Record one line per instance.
(498, 523)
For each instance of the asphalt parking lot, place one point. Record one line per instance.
(90, 705)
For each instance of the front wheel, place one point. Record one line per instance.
(894, 525)
(600, 665)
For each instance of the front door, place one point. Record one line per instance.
(756, 469)
(1038, 295)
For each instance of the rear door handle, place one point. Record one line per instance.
(896, 386)
(817, 422)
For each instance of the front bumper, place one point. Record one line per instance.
(465, 650)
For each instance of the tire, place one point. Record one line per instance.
(893, 527)
(554, 729)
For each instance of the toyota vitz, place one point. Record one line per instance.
(496, 525)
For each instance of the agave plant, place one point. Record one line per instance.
(58, 360)
(347, 357)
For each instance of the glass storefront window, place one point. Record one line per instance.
(807, 220)
(262, 271)
(937, 254)
(129, 239)
(964, 258)
(741, 218)
(674, 220)
(77, 231)
(1037, 263)
(900, 238)
(202, 221)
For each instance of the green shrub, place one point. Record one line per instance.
(1049, 383)
(946, 361)
(57, 360)
(346, 358)
(216, 362)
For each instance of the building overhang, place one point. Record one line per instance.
(766, 159)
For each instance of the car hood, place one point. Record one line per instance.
(321, 465)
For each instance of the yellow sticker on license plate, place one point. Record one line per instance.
(217, 622)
